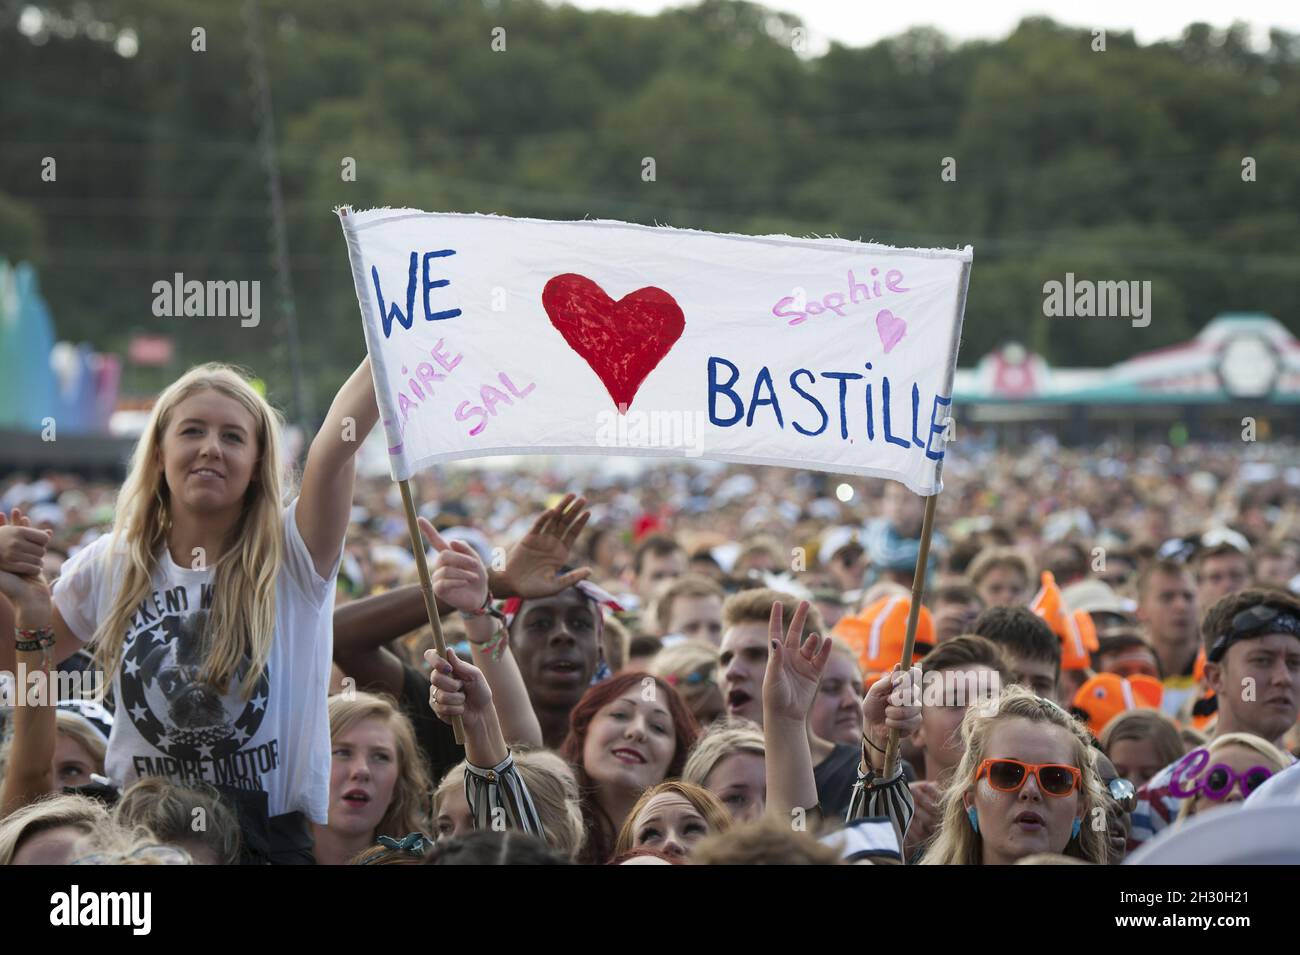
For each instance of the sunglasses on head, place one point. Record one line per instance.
(1218, 782)
(1253, 622)
(1008, 775)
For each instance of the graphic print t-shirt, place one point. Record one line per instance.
(168, 723)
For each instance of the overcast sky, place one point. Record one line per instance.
(861, 22)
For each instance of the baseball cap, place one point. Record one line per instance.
(1107, 695)
(876, 634)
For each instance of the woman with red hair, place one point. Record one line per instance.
(627, 733)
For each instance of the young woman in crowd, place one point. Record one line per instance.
(550, 783)
(729, 761)
(628, 733)
(1224, 772)
(1141, 743)
(1026, 784)
(672, 817)
(47, 831)
(210, 603)
(379, 784)
(170, 812)
(836, 715)
(691, 667)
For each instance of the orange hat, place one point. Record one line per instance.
(1077, 632)
(1203, 711)
(1107, 695)
(877, 634)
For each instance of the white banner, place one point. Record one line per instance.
(490, 335)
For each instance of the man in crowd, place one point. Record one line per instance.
(1032, 650)
(1167, 612)
(657, 560)
(1220, 570)
(692, 607)
(1252, 647)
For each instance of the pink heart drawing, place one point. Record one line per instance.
(891, 329)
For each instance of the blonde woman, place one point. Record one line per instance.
(691, 668)
(1225, 772)
(1027, 784)
(379, 784)
(51, 750)
(730, 761)
(209, 605)
(552, 786)
(47, 832)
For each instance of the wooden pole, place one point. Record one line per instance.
(913, 615)
(426, 585)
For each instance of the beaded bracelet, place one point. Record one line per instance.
(31, 640)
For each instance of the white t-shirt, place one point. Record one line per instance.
(168, 724)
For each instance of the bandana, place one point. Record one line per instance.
(597, 595)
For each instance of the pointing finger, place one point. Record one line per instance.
(431, 534)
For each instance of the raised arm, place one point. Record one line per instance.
(892, 703)
(28, 608)
(491, 652)
(325, 502)
(30, 774)
(532, 567)
(362, 627)
(22, 548)
(493, 787)
(460, 579)
(789, 688)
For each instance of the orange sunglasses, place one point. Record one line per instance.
(1008, 775)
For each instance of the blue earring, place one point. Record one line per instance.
(1074, 830)
(975, 820)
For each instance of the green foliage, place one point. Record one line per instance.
(1117, 165)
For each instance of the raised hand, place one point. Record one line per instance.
(459, 577)
(22, 547)
(458, 688)
(533, 565)
(793, 669)
(892, 703)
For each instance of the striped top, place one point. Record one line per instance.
(891, 798)
(499, 799)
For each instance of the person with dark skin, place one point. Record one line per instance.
(532, 570)
(556, 640)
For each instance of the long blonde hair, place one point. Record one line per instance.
(956, 842)
(241, 620)
(408, 810)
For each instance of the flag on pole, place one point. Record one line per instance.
(491, 335)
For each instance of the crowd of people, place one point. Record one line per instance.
(229, 660)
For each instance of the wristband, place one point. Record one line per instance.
(486, 610)
(31, 640)
(496, 645)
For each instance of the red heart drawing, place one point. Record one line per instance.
(622, 341)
